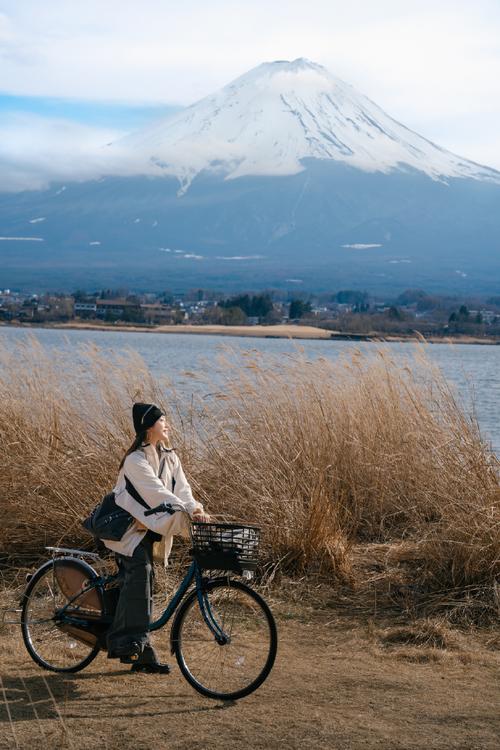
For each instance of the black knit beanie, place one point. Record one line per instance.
(144, 416)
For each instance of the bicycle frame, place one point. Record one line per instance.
(194, 573)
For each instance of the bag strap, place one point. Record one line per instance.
(160, 470)
(132, 491)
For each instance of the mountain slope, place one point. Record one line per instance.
(327, 227)
(268, 120)
(286, 177)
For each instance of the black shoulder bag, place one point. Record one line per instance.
(109, 521)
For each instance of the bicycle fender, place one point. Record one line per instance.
(174, 630)
(67, 560)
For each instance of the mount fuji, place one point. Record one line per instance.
(272, 118)
(286, 177)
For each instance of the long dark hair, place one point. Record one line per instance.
(138, 441)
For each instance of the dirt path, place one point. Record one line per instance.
(334, 686)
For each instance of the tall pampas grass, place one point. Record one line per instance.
(327, 457)
(365, 449)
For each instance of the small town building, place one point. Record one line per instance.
(116, 308)
(85, 309)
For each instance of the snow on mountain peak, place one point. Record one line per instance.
(271, 118)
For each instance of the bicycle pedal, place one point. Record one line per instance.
(132, 656)
(129, 659)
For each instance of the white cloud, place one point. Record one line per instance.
(35, 150)
(159, 51)
(432, 64)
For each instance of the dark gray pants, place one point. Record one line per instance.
(135, 604)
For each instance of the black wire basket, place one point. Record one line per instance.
(225, 546)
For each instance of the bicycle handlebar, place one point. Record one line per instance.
(165, 508)
(161, 508)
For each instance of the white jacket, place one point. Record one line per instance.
(158, 477)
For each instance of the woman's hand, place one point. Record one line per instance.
(201, 517)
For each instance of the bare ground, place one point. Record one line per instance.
(338, 683)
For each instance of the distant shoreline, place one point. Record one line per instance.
(258, 331)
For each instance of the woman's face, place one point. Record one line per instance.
(159, 431)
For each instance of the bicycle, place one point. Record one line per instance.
(223, 635)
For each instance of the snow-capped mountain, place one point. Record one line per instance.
(287, 178)
(270, 119)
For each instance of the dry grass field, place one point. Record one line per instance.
(342, 681)
(380, 509)
(256, 331)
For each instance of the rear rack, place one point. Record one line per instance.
(73, 552)
(7, 614)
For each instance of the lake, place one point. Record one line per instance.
(473, 369)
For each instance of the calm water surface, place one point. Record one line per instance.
(473, 369)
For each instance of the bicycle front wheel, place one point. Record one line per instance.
(233, 661)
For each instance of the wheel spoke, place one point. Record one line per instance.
(47, 642)
(243, 662)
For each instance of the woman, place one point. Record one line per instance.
(149, 474)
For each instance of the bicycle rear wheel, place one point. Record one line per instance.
(232, 667)
(56, 646)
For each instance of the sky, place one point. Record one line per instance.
(74, 76)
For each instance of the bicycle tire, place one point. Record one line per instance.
(189, 627)
(40, 644)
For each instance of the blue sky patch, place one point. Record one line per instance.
(98, 114)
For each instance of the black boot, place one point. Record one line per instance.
(148, 662)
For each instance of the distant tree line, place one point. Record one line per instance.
(298, 309)
(347, 310)
(257, 306)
